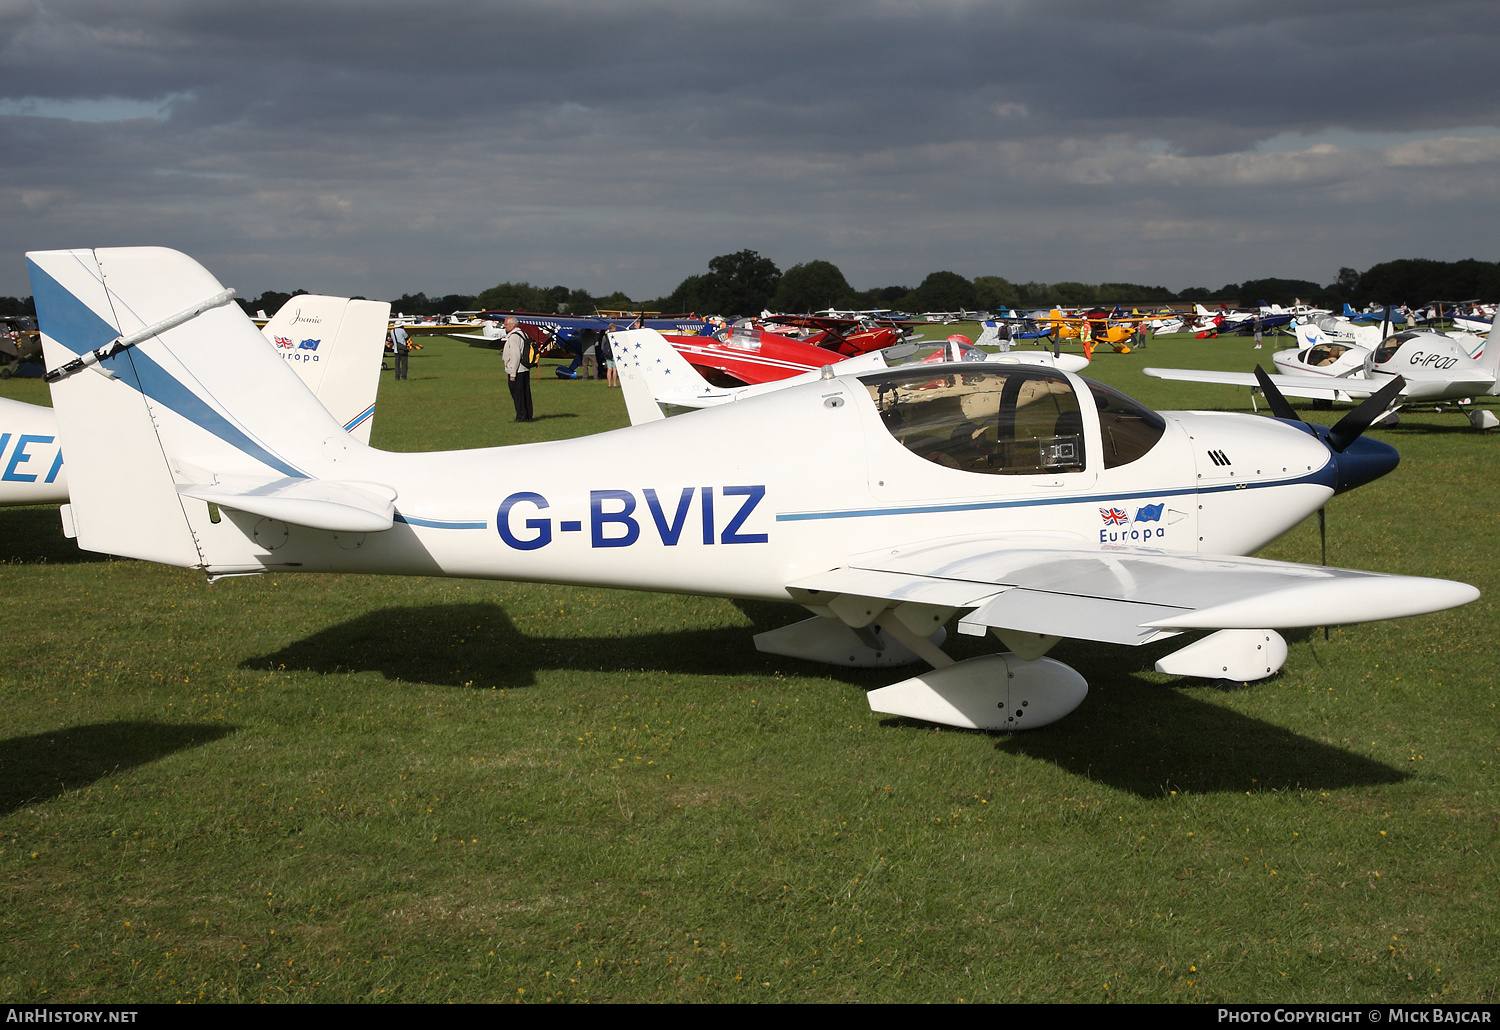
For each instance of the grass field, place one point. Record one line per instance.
(365, 789)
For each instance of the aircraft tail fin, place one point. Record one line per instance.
(335, 345)
(162, 386)
(990, 337)
(1489, 355)
(654, 374)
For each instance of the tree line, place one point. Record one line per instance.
(746, 283)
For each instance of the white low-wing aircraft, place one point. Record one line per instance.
(1041, 504)
(1332, 328)
(334, 343)
(658, 380)
(1431, 367)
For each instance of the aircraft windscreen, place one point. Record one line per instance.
(1323, 354)
(1130, 429)
(1391, 345)
(744, 337)
(1012, 422)
(913, 354)
(930, 353)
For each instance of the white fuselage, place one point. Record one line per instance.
(740, 479)
(1434, 367)
(1335, 329)
(1327, 360)
(31, 464)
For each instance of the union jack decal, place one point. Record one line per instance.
(1113, 516)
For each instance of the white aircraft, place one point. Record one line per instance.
(1331, 328)
(1325, 327)
(335, 345)
(658, 380)
(1041, 504)
(1431, 367)
(1477, 322)
(1000, 334)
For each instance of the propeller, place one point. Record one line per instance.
(1280, 406)
(1349, 428)
(1323, 542)
(1343, 434)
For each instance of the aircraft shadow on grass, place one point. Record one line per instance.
(40, 766)
(1133, 735)
(34, 536)
(477, 645)
(1151, 738)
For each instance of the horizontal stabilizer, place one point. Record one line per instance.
(315, 503)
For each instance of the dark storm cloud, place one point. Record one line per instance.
(379, 147)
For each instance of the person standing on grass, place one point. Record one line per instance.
(517, 370)
(607, 356)
(1257, 332)
(401, 347)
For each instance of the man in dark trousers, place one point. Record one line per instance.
(401, 347)
(517, 369)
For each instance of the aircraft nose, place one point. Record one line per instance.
(1363, 461)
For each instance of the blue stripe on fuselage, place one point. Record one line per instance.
(1322, 477)
(412, 520)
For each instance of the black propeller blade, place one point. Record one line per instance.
(1323, 540)
(1280, 407)
(1352, 426)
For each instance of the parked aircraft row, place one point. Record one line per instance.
(1432, 367)
(1038, 504)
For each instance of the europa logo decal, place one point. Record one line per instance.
(304, 351)
(1120, 527)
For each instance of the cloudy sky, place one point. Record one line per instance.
(376, 147)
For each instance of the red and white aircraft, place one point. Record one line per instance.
(746, 354)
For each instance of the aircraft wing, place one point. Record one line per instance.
(1118, 596)
(1314, 387)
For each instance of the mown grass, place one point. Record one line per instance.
(361, 789)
